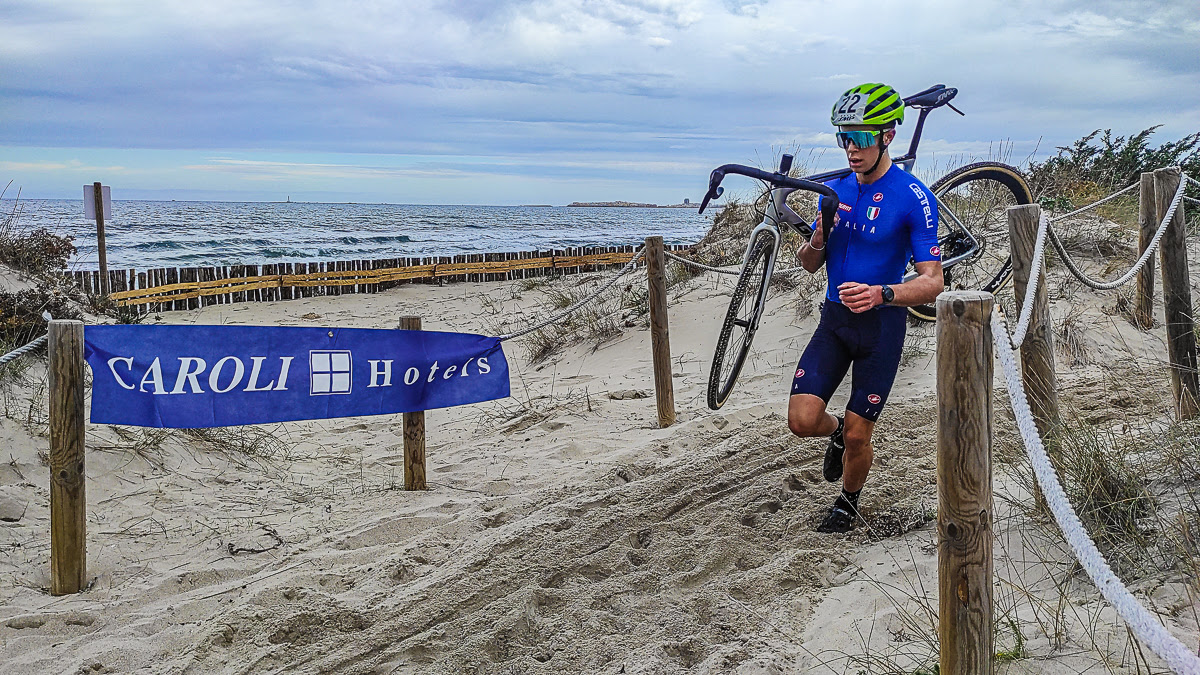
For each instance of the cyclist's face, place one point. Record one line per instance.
(861, 159)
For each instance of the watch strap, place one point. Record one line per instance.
(888, 294)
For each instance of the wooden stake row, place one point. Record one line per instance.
(165, 289)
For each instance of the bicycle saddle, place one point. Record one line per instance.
(933, 97)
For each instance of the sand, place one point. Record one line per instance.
(563, 531)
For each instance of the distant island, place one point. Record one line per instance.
(639, 205)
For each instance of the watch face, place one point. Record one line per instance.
(888, 294)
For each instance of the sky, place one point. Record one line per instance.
(550, 101)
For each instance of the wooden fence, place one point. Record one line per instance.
(166, 288)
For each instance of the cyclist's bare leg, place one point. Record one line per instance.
(859, 451)
(807, 417)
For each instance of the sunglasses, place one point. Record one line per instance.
(861, 139)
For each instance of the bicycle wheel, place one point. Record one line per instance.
(978, 195)
(738, 330)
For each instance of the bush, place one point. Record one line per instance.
(34, 251)
(21, 313)
(1100, 163)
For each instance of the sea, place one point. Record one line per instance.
(145, 234)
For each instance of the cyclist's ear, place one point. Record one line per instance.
(889, 136)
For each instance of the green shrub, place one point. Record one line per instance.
(1100, 163)
(37, 252)
(21, 318)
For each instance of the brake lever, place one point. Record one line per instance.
(710, 196)
(714, 189)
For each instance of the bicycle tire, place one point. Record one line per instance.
(737, 332)
(982, 191)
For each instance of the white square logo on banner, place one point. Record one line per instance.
(330, 372)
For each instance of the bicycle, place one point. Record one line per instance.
(972, 234)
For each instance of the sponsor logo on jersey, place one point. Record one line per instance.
(874, 399)
(916, 189)
(845, 207)
(935, 250)
(800, 373)
(878, 197)
(872, 212)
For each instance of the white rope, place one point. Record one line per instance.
(1035, 275)
(1143, 624)
(787, 270)
(702, 266)
(1095, 204)
(18, 352)
(1137, 267)
(1190, 179)
(1192, 199)
(735, 272)
(566, 312)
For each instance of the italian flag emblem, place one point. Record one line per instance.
(872, 212)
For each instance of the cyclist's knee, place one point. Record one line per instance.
(806, 415)
(800, 426)
(858, 439)
(805, 424)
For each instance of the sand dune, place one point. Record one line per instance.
(564, 532)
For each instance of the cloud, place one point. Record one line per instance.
(58, 166)
(657, 84)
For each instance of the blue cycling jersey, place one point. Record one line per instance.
(879, 228)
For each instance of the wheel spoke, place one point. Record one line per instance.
(738, 329)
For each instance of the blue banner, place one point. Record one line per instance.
(214, 376)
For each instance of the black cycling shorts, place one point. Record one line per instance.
(872, 341)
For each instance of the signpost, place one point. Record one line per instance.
(97, 203)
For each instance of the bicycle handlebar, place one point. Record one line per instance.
(829, 205)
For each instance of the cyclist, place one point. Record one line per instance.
(885, 218)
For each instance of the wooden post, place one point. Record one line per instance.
(1037, 351)
(964, 481)
(1177, 298)
(1143, 309)
(68, 522)
(664, 388)
(98, 196)
(414, 431)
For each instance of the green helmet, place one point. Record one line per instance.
(870, 103)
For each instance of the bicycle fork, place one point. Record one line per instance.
(761, 303)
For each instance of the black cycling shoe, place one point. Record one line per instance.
(839, 520)
(833, 454)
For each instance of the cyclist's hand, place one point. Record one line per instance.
(860, 297)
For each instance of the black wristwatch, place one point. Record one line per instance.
(888, 294)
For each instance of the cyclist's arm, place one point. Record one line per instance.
(812, 252)
(923, 289)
